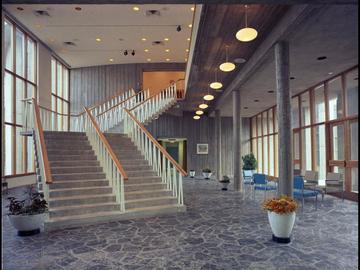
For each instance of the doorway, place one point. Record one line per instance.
(177, 149)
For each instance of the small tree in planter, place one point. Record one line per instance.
(27, 215)
(206, 173)
(281, 215)
(225, 181)
(249, 162)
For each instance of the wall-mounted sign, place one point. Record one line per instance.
(202, 148)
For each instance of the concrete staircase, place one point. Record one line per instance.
(144, 191)
(80, 193)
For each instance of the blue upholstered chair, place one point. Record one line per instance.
(301, 193)
(261, 183)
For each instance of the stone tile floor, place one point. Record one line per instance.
(220, 230)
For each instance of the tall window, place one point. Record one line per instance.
(60, 94)
(325, 131)
(19, 83)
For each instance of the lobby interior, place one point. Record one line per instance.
(203, 96)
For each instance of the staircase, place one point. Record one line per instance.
(89, 176)
(144, 190)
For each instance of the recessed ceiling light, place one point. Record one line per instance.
(187, 50)
(196, 117)
(185, 59)
(78, 8)
(20, 8)
(143, 39)
(203, 106)
(148, 59)
(146, 50)
(188, 39)
(192, 8)
(256, 100)
(135, 8)
(208, 97)
(38, 25)
(190, 25)
(292, 78)
(216, 85)
(167, 50)
(98, 39)
(166, 39)
(167, 59)
(321, 58)
(111, 60)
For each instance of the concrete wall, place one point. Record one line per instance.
(44, 76)
(202, 131)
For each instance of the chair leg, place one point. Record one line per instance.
(342, 195)
(302, 203)
(316, 202)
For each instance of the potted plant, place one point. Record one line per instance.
(225, 181)
(249, 163)
(281, 215)
(192, 173)
(29, 214)
(206, 173)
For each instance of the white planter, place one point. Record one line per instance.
(27, 223)
(225, 184)
(281, 225)
(192, 174)
(207, 175)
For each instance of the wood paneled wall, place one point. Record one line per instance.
(202, 131)
(90, 85)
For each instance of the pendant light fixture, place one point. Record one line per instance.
(216, 85)
(246, 34)
(203, 106)
(196, 117)
(208, 97)
(227, 66)
(199, 112)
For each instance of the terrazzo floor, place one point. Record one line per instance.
(219, 230)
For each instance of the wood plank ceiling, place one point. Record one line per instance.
(217, 29)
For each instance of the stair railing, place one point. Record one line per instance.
(155, 104)
(114, 115)
(108, 160)
(32, 126)
(166, 167)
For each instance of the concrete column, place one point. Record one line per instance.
(283, 100)
(237, 140)
(218, 144)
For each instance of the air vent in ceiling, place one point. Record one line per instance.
(69, 43)
(152, 12)
(157, 43)
(41, 13)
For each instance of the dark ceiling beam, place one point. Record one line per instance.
(289, 23)
(100, 2)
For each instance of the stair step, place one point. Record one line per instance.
(71, 157)
(65, 133)
(132, 195)
(135, 166)
(72, 210)
(78, 184)
(79, 191)
(148, 202)
(66, 143)
(80, 200)
(78, 176)
(134, 162)
(147, 186)
(140, 173)
(70, 152)
(77, 169)
(57, 147)
(74, 163)
(143, 180)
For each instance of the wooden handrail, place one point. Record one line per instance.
(153, 95)
(107, 145)
(47, 172)
(158, 145)
(118, 104)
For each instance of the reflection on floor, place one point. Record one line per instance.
(220, 230)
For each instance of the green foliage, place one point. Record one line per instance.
(225, 179)
(206, 170)
(249, 162)
(33, 204)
